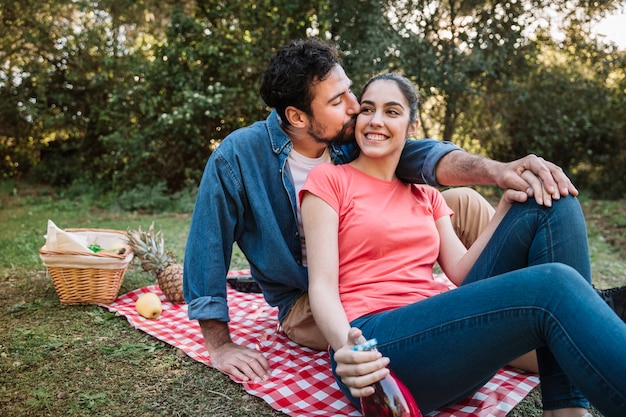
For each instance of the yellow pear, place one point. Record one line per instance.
(149, 305)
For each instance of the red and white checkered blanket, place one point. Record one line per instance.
(301, 382)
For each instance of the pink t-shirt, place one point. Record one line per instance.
(388, 241)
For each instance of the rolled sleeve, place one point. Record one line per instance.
(419, 160)
(208, 308)
(210, 241)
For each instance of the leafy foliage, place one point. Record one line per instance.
(568, 108)
(136, 94)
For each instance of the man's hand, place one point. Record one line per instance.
(359, 370)
(548, 183)
(240, 362)
(463, 168)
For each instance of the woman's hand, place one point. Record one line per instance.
(547, 179)
(535, 189)
(359, 370)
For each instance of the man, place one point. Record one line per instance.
(249, 189)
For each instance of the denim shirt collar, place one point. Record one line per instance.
(281, 143)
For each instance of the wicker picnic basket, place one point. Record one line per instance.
(87, 277)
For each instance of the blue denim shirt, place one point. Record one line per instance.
(247, 196)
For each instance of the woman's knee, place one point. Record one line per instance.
(556, 276)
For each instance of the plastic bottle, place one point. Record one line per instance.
(391, 397)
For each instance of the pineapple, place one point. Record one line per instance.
(149, 248)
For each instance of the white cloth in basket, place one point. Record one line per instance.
(65, 249)
(59, 240)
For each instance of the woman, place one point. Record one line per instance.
(372, 242)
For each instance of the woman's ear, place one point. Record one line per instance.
(412, 129)
(296, 117)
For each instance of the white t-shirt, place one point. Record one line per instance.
(300, 167)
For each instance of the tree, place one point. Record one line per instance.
(126, 93)
(571, 109)
(63, 58)
(494, 80)
(28, 38)
(201, 84)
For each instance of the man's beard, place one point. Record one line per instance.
(345, 135)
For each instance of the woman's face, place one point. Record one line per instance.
(383, 123)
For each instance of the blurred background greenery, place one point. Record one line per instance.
(130, 97)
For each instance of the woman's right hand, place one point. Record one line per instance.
(359, 370)
(536, 189)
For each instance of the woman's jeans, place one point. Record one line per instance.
(530, 289)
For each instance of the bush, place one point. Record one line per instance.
(156, 199)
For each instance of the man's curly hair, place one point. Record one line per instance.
(293, 71)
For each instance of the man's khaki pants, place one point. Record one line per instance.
(471, 214)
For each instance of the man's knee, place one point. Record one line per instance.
(300, 326)
(472, 213)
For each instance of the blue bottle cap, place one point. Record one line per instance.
(368, 345)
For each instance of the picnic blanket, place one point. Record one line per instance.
(301, 382)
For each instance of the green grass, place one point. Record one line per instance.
(84, 361)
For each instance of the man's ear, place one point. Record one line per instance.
(296, 117)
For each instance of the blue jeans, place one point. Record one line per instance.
(530, 289)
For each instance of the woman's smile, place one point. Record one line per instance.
(376, 137)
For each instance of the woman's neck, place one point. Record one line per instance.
(377, 168)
